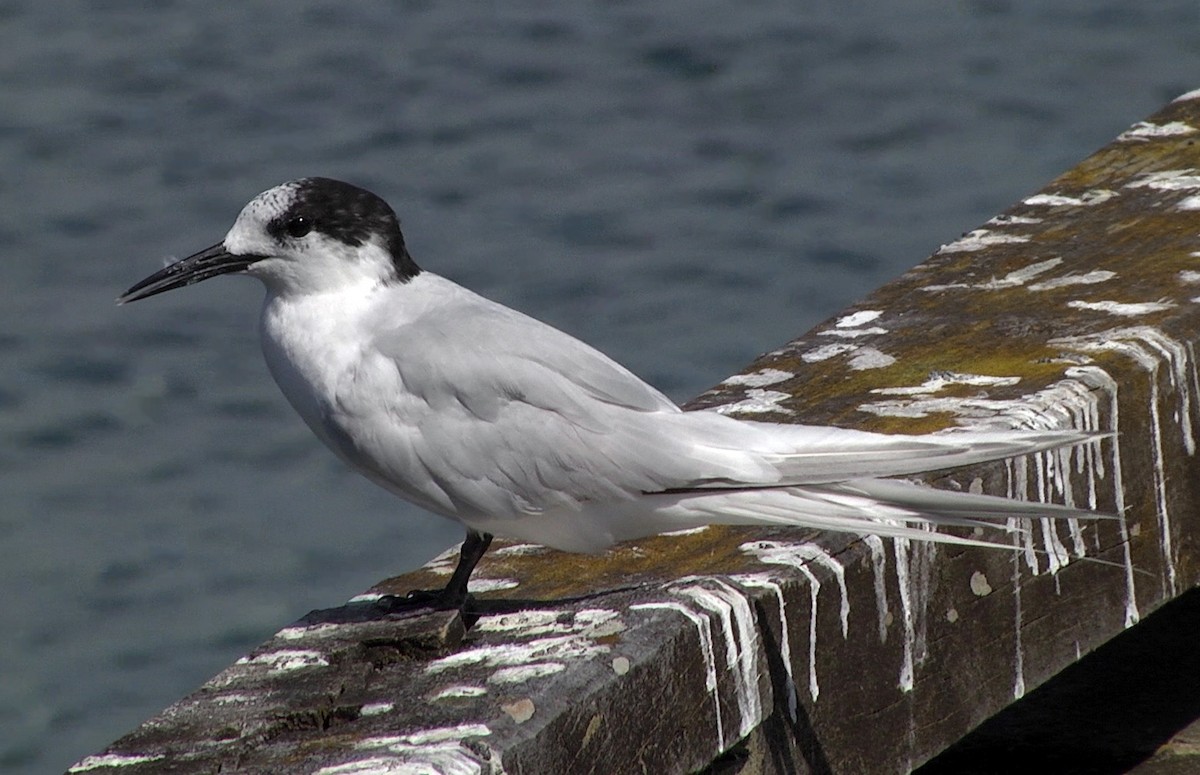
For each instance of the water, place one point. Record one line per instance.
(684, 185)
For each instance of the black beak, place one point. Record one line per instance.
(200, 266)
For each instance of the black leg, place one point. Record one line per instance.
(455, 592)
(469, 556)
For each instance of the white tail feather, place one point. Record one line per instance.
(813, 454)
(823, 487)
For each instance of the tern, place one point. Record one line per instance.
(481, 414)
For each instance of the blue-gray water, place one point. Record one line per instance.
(684, 185)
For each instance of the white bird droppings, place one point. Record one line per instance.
(458, 692)
(440, 750)
(491, 585)
(732, 609)
(1087, 199)
(588, 623)
(1123, 309)
(426, 736)
(376, 708)
(856, 319)
(502, 655)
(870, 358)
(108, 760)
(521, 673)
(944, 379)
(1144, 130)
(914, 567)
(687, 531)
(797, 555)
(1013, 220)
(374, 765)
(1101, 380)
(1167, 180)
(286, 659)
(519, 550)
(704, 630)
(862, 357)
(1013, 279)
(978, 240)
(1149, 348)
(760, 378)
(757, 401)
(764, 581)
(827, 351)
(852, 333)
(879, 570)
(313, 631)
(1087, 278)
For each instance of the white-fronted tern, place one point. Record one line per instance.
(511, 427)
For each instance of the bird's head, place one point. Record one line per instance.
(306, 236)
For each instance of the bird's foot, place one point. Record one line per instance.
(440, 599)
(432, 599)
(452, 597)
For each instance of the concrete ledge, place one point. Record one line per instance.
(777, 651)
(1129, 707)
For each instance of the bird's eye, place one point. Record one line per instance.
(298, 226)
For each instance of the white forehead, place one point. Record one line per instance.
(270, 204)
(249, 232)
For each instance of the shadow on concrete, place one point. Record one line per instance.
(1103, 715)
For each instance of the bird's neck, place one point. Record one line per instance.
(310, 339)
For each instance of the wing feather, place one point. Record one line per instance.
(495, 415)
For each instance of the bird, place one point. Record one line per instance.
(511, 427)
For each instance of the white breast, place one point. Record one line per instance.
(310, 343)
(320, 350)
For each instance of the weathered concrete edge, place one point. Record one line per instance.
(304, 697)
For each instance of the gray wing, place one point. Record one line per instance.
(492, 413)
(488, 413)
